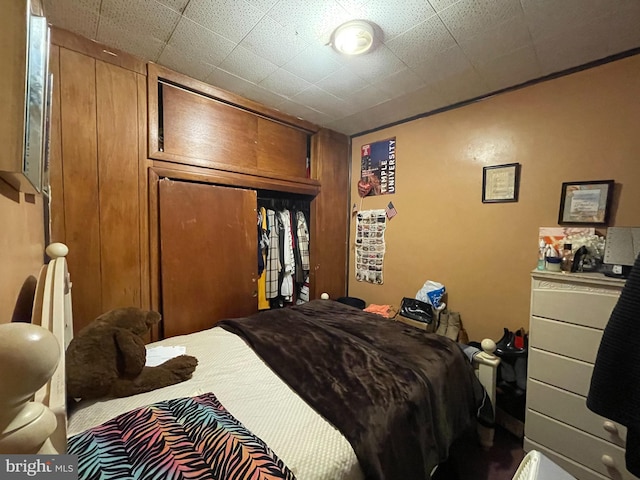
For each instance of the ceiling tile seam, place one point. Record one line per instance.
(95, 34)
(175, 27)
(435, 14)
(474, 68)
(533, 44)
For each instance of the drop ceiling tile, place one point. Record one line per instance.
(318, 99)
(419, 102)
(341, 83)
(368, 97)
(177, 5)
(352, 6)
(550, 17)
(379, 63)
(129, 40)
(78, 16)
(232, 19)
(351, 124)
(394, 19)
(511, 69)
(263, 5)
(447, 63)
(462, 86)
(203, 44)
(421, 42)
(248, 65)
(504, 38)
(573, 47)
(438, 5)
(185, 63)
(303, 112)
(273, 41)
(262, 95)
(312, 64)
(314, 20)
(284, 83)
(624, 33)
(146, 18)
(472, 17)
(399, 83)
(227, 81)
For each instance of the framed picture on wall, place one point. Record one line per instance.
(585, 203)
(500, 183)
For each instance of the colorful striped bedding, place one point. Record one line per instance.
(183, 438)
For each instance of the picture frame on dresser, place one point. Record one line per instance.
(586, 203)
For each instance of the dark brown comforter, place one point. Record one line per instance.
(398, 395)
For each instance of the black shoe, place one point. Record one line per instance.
(505, 347)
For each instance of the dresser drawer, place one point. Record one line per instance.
(579, 471)
(576, 445)
(572, 409)
(571, 340)
(563, 372)
(586, 305)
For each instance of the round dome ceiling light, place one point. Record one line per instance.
(353, 38)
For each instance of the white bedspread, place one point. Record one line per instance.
(311, 447)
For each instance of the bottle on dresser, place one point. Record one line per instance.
(552, 259)
(567, 258)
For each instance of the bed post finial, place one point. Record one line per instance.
(57, 250)
(29, 355)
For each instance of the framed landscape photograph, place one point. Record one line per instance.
(585, 203)
(500, 183)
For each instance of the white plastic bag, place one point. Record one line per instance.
(432, 293)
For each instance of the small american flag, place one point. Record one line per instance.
(391, 211)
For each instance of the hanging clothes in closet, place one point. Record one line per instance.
(283, 256)
(263, 246)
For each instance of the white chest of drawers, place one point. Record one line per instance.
(568, 315)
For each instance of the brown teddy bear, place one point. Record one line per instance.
(107, 358)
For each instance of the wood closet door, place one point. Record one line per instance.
(208, 255)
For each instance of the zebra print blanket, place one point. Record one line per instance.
(175, 439)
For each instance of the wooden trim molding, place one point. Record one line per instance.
(80, 44)
(221, 177)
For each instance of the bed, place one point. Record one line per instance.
(376, 413)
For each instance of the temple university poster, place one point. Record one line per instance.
(378, 167)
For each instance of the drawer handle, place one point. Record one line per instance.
(608, 461)
(610, 427)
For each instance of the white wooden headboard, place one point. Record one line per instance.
(32, 368)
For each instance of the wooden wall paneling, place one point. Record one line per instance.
(282, 150)
(143, 193)
(56, 177)
(330, 212)
(221, 177)
(117, 135)
(77, 43)
(153, 109)
(208, 248)
(80, 177)
(155, 72)
(201, 131)
(154, 250)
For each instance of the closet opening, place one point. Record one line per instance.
(283, 259)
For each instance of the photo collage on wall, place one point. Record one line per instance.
(370, 246)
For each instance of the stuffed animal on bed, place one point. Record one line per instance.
(107, 358)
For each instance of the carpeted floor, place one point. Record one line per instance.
(469, 461)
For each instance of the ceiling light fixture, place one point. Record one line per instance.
(353, 38)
